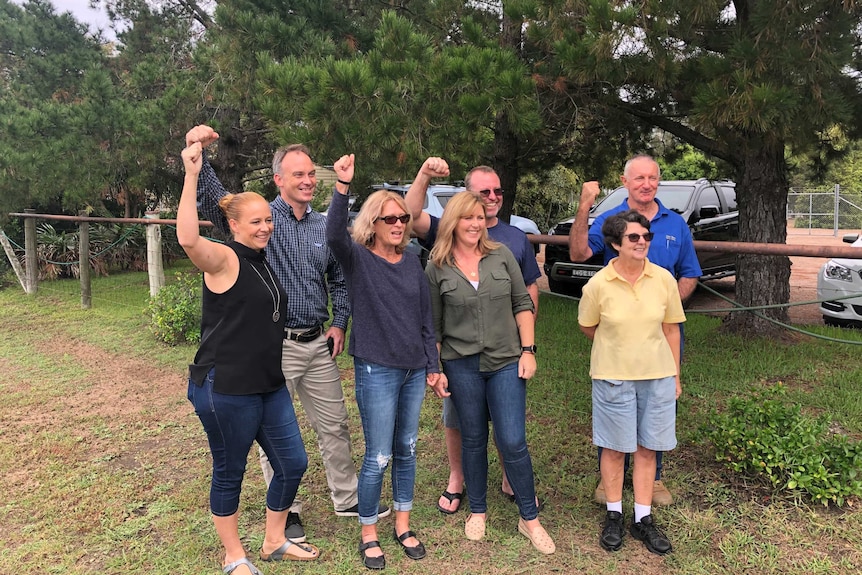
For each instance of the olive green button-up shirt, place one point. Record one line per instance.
(468, 321)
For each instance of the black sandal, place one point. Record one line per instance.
(376, 563)
(451, 497)
(417, 552)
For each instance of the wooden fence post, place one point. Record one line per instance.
(31, 254)
(84, 261)
(155, 267)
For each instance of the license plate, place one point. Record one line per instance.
(583, 273)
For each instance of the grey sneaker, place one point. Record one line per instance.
(293, 529)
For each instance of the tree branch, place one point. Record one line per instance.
(696, 139)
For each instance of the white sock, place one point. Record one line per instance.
(615, 506)
(641, 511)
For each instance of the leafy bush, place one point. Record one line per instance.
(175, 312)
(761, 435)
(547, 197)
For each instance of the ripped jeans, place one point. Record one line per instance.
(389, 401)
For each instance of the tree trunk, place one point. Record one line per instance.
(506, 162)
(761, 280)
(506, 144)
(226, 162)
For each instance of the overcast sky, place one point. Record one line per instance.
(82, 12)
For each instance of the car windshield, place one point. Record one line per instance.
(674, 197)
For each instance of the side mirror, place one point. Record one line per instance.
(850, 238)
(709, 212)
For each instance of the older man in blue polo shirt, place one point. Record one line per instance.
(672, 248)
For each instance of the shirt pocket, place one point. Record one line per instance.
(449, 293)
(499, 285)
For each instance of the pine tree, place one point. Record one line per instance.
(743, 81)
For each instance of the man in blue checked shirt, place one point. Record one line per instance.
(306, 268)
(672, 248)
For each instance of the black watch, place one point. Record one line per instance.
(529, 349)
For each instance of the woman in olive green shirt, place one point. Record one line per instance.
(483, 316)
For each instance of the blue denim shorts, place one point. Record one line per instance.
(631, 413)
(450, 415)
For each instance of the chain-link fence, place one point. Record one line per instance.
(827, 208)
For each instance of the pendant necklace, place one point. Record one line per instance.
(276, 298)
(471, 274)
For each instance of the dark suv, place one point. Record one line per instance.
(709, 207)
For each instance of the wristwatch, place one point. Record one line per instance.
(529, 349)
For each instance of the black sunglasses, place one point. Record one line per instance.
(390, 220)
(486, 193)
(633, 238)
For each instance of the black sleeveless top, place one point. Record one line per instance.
(238, 335)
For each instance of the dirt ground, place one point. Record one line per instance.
(803, 277)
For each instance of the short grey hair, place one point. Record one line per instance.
(640, 157)
(280, 153)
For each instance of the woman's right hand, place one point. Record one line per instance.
(527, 366)
(192, 158)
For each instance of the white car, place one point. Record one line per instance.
(839, 278)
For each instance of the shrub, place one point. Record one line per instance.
(175, 312)
(762, 435)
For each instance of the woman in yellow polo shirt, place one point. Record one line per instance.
(630, 309)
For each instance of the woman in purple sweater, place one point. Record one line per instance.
(394, 352)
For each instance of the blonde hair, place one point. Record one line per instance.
(363, 227)
(233, 205)
(462, 204)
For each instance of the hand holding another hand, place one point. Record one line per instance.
(439, 382)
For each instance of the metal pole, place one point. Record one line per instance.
(31, 255)
(84, 262)
(837, 199)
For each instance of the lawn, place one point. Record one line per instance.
(105, 468)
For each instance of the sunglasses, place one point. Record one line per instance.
(486, 193)
(390, 220)
(633, 238)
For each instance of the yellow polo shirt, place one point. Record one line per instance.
(629, 343)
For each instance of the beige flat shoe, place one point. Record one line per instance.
(474, 528)
(539, 538)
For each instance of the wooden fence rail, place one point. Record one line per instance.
(156, 267)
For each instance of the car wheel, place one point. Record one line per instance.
(836, 322)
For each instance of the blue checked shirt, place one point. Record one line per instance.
(298, 254)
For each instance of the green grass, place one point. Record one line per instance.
(106, 468)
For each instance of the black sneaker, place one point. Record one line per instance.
(612, 532)
(646, 531)
(293, 529)
(382, 511)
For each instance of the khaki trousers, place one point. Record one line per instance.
(313, 378)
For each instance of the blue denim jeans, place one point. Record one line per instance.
(232, 423)
(389, 401)
(503, 395)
